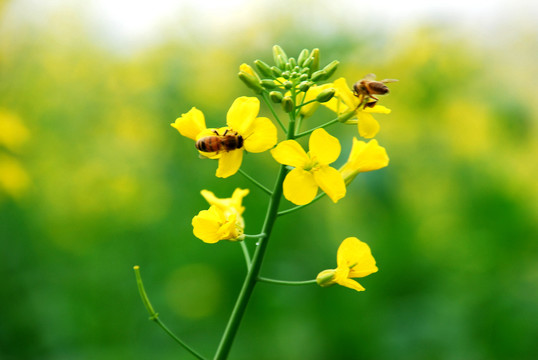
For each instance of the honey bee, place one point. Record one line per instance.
(228, 141)
(366, 88)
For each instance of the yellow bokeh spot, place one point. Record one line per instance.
(14, 180)
(13, 133)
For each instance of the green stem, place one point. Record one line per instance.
(268, 103)
(293, 209)
(333, 121)
(256, 182)
(285, 282)
(155, 316)
(254, 270)
(246, 253)
(257, 236)
(250, 281)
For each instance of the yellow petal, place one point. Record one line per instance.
(237, 199)
(206, 225)
(344, 92)
(289, 152)
(324, 148)
(357, 256)
(331, 182)
(368, 126)
(242, 113)
(229, 163)
(190, 124)
(262, 135)
(365, 157)
(300, 187)
(378, 109)
(352, 284)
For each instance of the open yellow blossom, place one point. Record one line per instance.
(345, 101)
(362, 158)
(258, 134)
(354, 260)
(223, 220)
(312, 170)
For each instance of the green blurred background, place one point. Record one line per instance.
(93, 180)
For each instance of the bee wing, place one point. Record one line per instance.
(369, 76)
(385, 81)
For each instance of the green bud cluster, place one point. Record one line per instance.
(288, 73)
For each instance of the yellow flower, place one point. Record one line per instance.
(344, 101)
(223, 220)
(362, 158)
(312, 170)
(258, 133)
(354, 260)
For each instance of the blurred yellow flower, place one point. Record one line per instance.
(312, 170)
(223, 220)
(354, 260)
(362, 158)
(13, 133)
(257, 134)
(344, 101)
(14, 180)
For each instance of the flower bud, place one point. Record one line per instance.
(286, 74)
(280, 56)
(276, 71)
(268, 84)
(318, 75)
(249, 70)
(288, 84)
(302, 57)
(304, 86)
(292, 62)
(326, 278)
(276, 96)
(325, 95)
(287, 104)
(251, 81)
(314, 65)
(303, 77)
(331, 68)
(263, 68)
(346, 116)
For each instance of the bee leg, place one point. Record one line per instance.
(226, 132)
(216, 132)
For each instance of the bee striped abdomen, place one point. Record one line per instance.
(220, 143)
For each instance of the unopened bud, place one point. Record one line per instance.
(303, 77)
(287, 104)
(268, 84)
(280, 57)
(302, 57)
(263, 68)
(292, 62)
(314, 65)
(251, 81)
(318, 75)
(304, 86)
(276, 71)
(248, 69)
(331, 68)
(326, 278)
(288, 84)
(276, 96)
(346, 116)
(325, 95)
